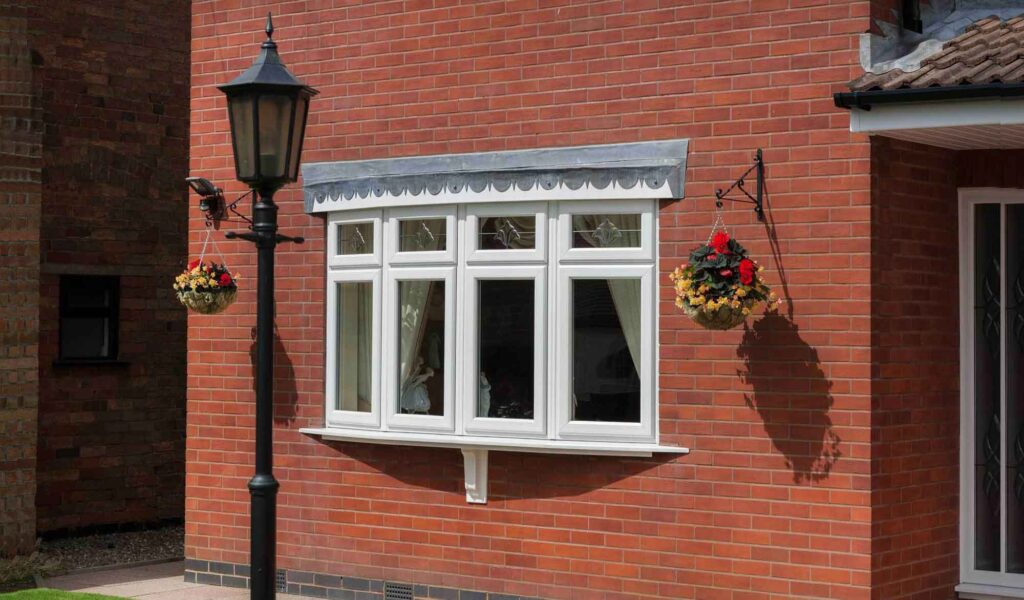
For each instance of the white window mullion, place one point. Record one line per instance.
(555, 375)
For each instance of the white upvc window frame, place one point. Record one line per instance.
(568, 428)
(390, 348)
(334, 223)
(645, 252)
(553, 263)
(976, 584)
(474, 213)
(347, 418)
(469, 357)
(393, 219)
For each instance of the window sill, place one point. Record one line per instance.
(78, 362)
(981, 591)
(475, 448)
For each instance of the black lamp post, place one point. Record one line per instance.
(267, 107)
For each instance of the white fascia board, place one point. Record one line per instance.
(930, 115)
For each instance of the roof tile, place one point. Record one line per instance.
(988, 51)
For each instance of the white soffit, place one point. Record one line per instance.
(996, 123)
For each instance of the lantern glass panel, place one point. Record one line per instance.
(298, 129)
(275, 120)
(241, 109)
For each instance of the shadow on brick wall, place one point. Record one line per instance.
(285, 392)
(512, 475)
(791, 394)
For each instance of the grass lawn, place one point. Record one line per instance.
(52, 595)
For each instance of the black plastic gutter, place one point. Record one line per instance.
(865, 100)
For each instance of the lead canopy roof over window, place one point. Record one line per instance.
(645, 169)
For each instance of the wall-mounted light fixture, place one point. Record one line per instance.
(211, 198)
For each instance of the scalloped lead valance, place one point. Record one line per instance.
(633, 170)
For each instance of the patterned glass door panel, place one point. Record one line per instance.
(987, 387)
(1014, 340)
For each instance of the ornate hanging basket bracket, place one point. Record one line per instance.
(740, 184)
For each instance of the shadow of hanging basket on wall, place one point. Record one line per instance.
(792, 396)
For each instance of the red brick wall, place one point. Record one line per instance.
(113, 80)
(20, 137)
(915, 416)
(774, 498)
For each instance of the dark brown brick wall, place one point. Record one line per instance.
(113, 76)
(20, 142)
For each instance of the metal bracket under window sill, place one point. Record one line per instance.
(982, 591)
(89, 362)
(475, 448)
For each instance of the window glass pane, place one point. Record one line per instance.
(506, 337)
(508, 233)
(606, 231)
(355, 238)
(355, 346)
(423, 235)
(85, 337)
(1015, 388)
(987, 387)
(606, 350)
(88, 296)
(421, 347)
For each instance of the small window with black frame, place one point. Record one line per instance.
(89, 317)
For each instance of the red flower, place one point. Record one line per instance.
(193, 264)
(225, 279)
(747, 271)
(720, 242)
(725, 272)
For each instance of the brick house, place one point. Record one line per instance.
(93, 152)
(484, 389)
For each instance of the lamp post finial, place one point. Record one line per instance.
(269, 28)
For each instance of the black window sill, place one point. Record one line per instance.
(79, 362)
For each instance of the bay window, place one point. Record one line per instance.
(530, 320)
(499, 301)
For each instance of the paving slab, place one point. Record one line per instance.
(164, 581)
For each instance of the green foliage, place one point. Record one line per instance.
(24, 567)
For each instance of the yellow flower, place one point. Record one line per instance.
(746, 311)
(741, 292)
(679, 302)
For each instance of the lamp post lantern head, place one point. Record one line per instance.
(267, 109)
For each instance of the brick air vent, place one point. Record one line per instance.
(280, 581)
(397, 591)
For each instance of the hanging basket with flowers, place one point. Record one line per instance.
(206, 287)
(720, 286)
